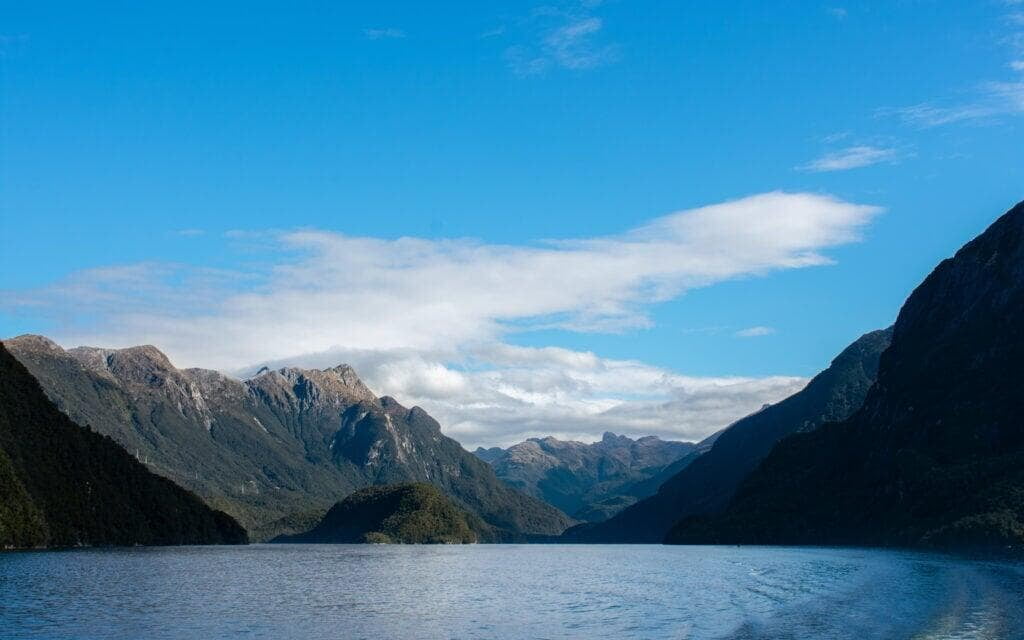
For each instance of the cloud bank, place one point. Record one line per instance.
(426, 320)
(501, 394)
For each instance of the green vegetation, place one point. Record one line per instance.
(414, 513)
(62, 485)
(21, 524)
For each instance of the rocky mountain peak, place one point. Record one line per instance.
(139, 363)
(142, 364)
(311, 388)
(33, 342)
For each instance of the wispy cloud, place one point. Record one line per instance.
(564, 39)
(190, 233)
(571, 45)
(988, 106)
(387, 32)
(754, 332)
(851, 158)
(444, 308)
(988, 102)
(839, 13)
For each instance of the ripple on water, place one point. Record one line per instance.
(506, 591)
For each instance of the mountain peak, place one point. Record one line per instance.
(145, 353)
(334, 385)
(34, 342)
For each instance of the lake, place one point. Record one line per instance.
(506, 591)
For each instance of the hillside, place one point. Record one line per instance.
(415, 513)
(62, 485)
(277, 449)
(707, 483)
(935, 456)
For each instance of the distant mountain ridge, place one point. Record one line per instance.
(708, 481)
(62, 485)
(935, 455)
(277, 448)
(589, 481)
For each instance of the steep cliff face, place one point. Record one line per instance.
(275, 448)
(936, 453)
(62, 485)
(590, 481)
(707, 482)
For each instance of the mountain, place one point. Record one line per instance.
(414, 513)
(590, 481)
(276, 450)
(707, 482)
(935, 456)
(62, 485)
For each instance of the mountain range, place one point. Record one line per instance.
(935, 455)
(912, 436)
(276, 450)
(62, 485)
(589, 481)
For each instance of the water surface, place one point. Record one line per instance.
(506, 591)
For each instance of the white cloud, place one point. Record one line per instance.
(387, 32)
(433, 305)
(754, 332)
(500, 394)
(851, 158)
(1017, 65)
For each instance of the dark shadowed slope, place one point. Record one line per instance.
(414, 513)
(63, 485)
(936, 453)
(590, 481)
(275, 450)
(709, 481)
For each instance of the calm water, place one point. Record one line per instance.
(492, 591)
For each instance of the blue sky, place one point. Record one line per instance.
(156, 161)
